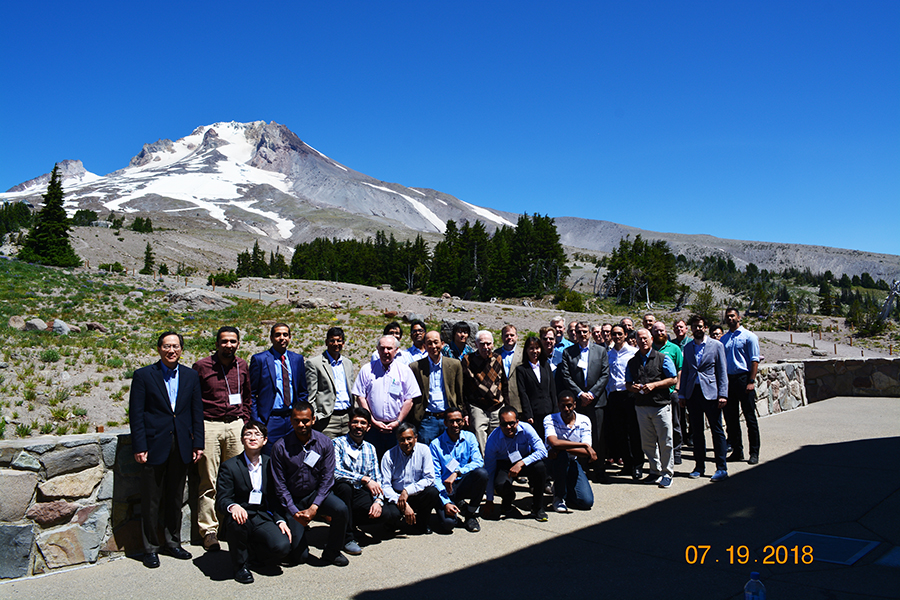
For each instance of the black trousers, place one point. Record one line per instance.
(678, 430)
(162, 486)
(739, 399)
(624, 431)
(537, 480)
(470, 487)
(599, 436)
(340, 515)
(423, 503)
(358, 502)
(259, 537)
(698, 406)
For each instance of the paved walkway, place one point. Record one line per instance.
(822, 471)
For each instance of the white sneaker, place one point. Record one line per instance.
(559, 505)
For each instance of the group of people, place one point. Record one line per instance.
(437, 427)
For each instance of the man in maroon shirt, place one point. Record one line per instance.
(225, 388)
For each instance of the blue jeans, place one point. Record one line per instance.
(569, 481)
(430, 428)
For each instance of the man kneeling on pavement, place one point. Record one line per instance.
(257, 527)
(568, 445)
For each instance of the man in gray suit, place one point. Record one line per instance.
(510, 354)
(440, 379)
(329, 378)
(704, 390)
(585, 370)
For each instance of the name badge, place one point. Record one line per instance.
(311, 459)
(255, 497)
(453, 465)
(582, 362)
(395, 388)
(353, 453)
(515, 457)
(234, 399)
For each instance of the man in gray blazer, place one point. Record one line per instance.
(440, 379)
(510, 354)
(704, 390)
(329, 379)
(585, 371)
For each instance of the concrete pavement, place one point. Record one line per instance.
(828, 468)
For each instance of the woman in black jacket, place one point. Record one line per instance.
(537, 388)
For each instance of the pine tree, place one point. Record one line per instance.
(149, 261)
(48, 241)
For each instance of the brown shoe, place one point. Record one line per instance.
(211, 542)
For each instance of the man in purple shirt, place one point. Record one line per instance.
(303, 474)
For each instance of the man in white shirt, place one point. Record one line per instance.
(624, 432)
(568, 444)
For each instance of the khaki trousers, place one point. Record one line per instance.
(222, 441)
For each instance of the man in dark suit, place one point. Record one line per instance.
(585, 371)
(277, 381)
(256, 520)
(166, 414)
(329, 380)
(704, 390)
(440, 380)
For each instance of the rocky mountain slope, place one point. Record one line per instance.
(227, 184)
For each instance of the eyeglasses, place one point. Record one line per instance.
(170, 347)
(253, 435)
(509, 424)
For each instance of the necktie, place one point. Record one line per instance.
(285, 382)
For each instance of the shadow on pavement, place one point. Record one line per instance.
(838, 489)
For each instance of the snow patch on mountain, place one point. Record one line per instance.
(423, 210)
(483, 212)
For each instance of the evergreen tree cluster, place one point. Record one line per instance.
(253, 263)
(637, 269)
(13, 216)
(84, 217)
(524, 260)
(142, 225)
(48, 240)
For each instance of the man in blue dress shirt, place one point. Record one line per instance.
(742, 356)
(460, 476)
(514, 449)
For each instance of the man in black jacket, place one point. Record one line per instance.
(166, 414)
(257, 521)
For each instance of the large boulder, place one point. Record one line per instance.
(16, 322)
(197, 299)
(35, 325)
(60, 327)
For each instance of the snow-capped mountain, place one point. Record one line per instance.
(259, 177)
(260, 180)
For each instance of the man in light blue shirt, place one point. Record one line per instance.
(417, 350)
(559, 326)
(514, 449)
(461, 478)
(407, 472)
(742, 358)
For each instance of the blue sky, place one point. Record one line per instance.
(772, 121)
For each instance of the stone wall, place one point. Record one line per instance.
(779, 387)
(831, 377)
(67, 500)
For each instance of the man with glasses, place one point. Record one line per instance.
(166, 412)
(225, 388)
(585, 371)
(257, 527)
(460, 476)
(440, 380)
(662, 345)
(514, 449)
(417, 350)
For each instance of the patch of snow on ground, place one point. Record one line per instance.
(416, 191)
(284, 225)
(331, 160)
(423, 210)
(256, 230)
(483, 212)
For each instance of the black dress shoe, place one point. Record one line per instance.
(637, 473)
(151, 560)
(736, 456)
(244, 576)
(336, 559)
(176, 552)
(754, 459)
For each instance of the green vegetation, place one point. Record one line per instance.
(639, 270)
(149, 261)
(142, 225)
(13, 216)
(115, 267)
(47, 242)
(49, 356)
(84, 217)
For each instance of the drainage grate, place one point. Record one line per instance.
(829, 548)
